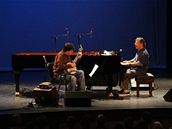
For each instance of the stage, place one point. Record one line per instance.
(125, 105)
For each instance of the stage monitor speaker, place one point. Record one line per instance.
(78, 98)
(46, 96)
(168, 96)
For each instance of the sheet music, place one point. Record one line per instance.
(93, 70)
(107, 53)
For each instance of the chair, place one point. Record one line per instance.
(62, 77)
(145, 79)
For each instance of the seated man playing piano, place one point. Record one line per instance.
(63, 64)
(137, 66)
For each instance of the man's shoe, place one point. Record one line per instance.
(121, 91)
(88, 88)
(115, 95)
(124, 92)
(110, 95)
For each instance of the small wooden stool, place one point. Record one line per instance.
(145, 79)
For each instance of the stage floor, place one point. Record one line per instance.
(9, 103)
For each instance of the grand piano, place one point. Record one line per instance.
(106, 63)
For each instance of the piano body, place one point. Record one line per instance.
(107, 64)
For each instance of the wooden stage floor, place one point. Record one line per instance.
(10, 104)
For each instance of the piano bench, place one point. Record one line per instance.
(145, 79)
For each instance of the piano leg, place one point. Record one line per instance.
(17, 80)
(123, 69)
(111, 80)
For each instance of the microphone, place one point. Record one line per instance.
(67, 33)
(55, 37)
(45, 60)
(90, 34)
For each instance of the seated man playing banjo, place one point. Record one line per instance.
(63, 64)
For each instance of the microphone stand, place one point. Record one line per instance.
(55, 38)
(79, 39)
(46, 66)
(84, 34)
